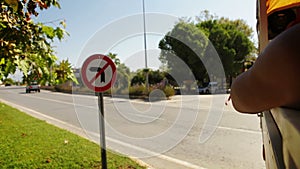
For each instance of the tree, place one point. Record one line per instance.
(139, 78)
(24, 44)
(188, 42)
(114, 57)
(155, 77)
(64, 72)
(184, 43)
(232, 40)
(123, 73)
(157, 80)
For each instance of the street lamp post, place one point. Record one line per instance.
(145, 36)
(145, 48)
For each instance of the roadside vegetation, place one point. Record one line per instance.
(196, 41)
(27, 142)
(26, 45)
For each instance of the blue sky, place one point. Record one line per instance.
(85, 18)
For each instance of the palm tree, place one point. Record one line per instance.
(114, 57)
(65, 72)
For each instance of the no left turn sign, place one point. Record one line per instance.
(98, 72)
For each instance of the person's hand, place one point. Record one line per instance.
(228, 100)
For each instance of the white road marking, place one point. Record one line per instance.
(94, 107)
(138, 115)
(141, 115)
(63, 102)
(239, 130)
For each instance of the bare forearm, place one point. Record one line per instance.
(241, 95)
(274, 78)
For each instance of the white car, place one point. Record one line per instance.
(33, 86)
(212, 87)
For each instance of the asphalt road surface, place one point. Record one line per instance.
(191, 131)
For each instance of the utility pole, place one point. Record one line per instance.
(145, 48)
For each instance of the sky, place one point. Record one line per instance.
(102, 26)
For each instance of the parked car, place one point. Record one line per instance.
(33, 86)
(212, 87)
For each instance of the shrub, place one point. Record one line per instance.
(140, 90)
(65, 88)
(169, 91)
(137, 90)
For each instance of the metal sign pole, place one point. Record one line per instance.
(90, 77)
(102, 130)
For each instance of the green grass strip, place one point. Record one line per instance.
(26, 142)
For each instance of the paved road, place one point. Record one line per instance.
(164, 134)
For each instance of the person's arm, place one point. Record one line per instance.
(274, 79)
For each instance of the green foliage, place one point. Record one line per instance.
(137, 90)
(154, 77)
(8, 81)
(65, 88)
(139, 78)
(114, 57)
(30, 143)
(64, 72)
(232, 40)
(188, 42)
(123, 74)
(169, 91)
(24, 44)
(157, 80)
(141, 90)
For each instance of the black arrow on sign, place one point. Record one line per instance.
(98, 69)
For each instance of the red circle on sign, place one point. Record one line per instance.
(89, 83)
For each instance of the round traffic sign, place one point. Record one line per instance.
(98, 72)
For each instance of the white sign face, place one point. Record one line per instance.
(98, 72)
